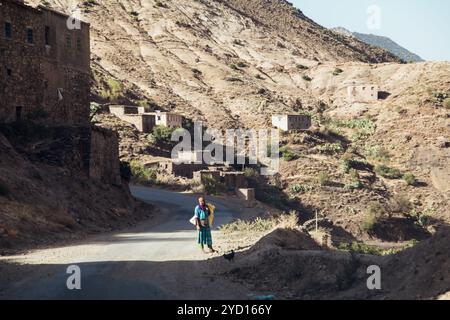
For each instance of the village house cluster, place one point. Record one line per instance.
(145, 119)
(45, 77)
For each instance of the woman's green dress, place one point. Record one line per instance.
(204, 234)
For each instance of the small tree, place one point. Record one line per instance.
(375, 213)
(163, 134)
(142, 174)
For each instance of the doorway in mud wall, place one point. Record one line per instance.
(19, 111)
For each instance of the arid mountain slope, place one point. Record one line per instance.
(208, 59)
(381, 42)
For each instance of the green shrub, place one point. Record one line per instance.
(356, 185)
(301, 188)
(331, 148)
(356, 182)
(410, 179)
(287, 155)
(358, 247)
(302, 67)
(142, 174)
(348, 163)
(369, 222)
(113, 92)
(420, 218)
(337, 71)
(323, 178)
(251, 173)
(440, 97)
(387, 172)
(4, 190)
(162, 134)
(234, 67)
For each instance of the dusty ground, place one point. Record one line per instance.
(150, 261)
(162, 262)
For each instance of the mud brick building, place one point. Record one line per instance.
(144, 120)
(362, 93)
(288, 122)
(44, 66)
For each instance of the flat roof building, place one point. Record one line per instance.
(289, 122)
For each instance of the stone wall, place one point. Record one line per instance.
(104, 156)
(234, 180)
(144, 123)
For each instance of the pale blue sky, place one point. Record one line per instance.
(421, 26)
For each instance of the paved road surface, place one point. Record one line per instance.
(144, 262)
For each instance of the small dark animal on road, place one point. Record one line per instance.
(229, 256)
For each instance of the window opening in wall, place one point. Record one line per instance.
(30, 35)
(47, 35)
(19, 113)
(8, 30)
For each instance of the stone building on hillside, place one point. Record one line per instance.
(45, 78)
(45, 66)
(289, 122)
(145, 120)
(362, 93)
(168, 119)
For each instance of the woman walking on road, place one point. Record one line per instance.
(204, 214)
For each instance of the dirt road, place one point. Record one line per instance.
(145, 262)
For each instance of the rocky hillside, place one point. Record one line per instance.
(43, 200)
(209, 59)
(234, 63)
(382, 42)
